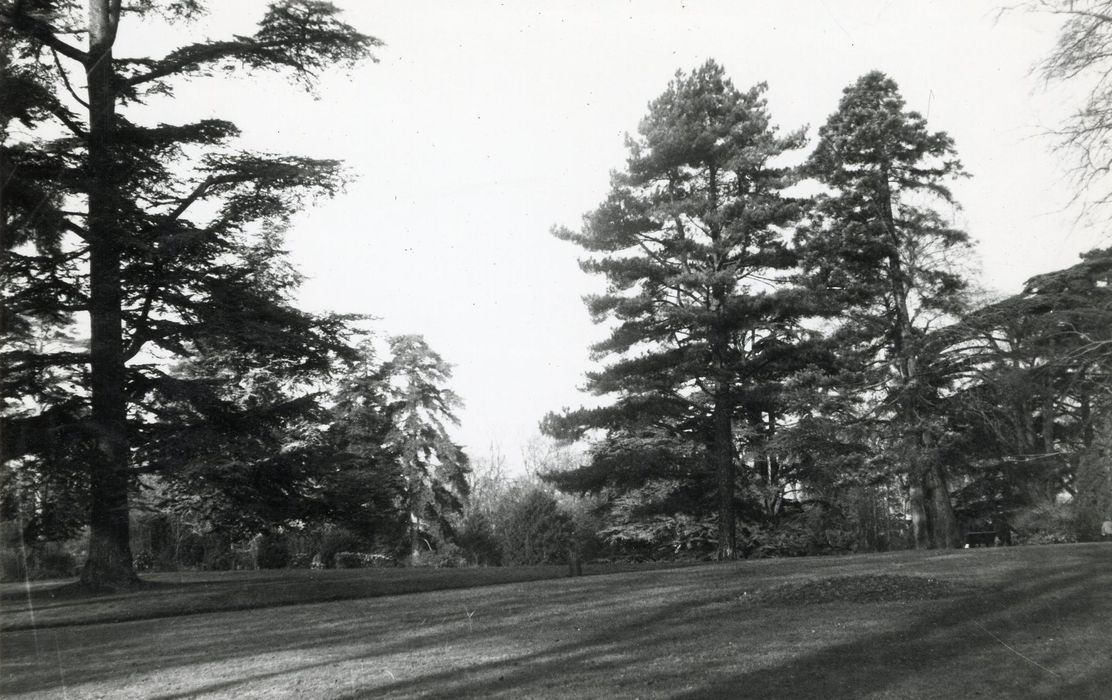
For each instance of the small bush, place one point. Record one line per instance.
(477, 542)
(807, 533)
(536, 531)
(189, 551)
(1046, 523)
(217, 553)
(347, 560)
(143, 560)
(363, 560)
(13, 567)
(335, 540)
(272, 552)
(45, 560)
(785, 539)
(55, 563)
(661, 537)
(243, 559)
(301, 561)
(446, 556)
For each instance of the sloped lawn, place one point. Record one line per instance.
(1010, 622)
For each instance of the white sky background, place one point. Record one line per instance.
(487, 123)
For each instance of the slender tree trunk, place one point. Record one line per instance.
(109, 563)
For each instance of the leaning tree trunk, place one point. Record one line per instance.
(109, 563)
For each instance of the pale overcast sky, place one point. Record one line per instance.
(486, 123)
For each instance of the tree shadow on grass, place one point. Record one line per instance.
(375, 627)
(631, 628)
(969, 636)
(964, 632)
(158, 599)
(521, 672)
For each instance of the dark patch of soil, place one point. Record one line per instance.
(873, 588)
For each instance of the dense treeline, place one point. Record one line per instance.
(796, 363)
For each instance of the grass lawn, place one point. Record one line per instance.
(994, 623)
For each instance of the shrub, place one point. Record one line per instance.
(1046, 523)
(446, 556)
(477, 542)
(272, 552)
(334, 540)
(363, 560)
(663, 537)
(243, 558)
(143, 560)
(13, 566)
(217, 554)
(44, 560)
(347, 560)
(189, 552)
(536, 531)
(785, 539)
(816, 529)
(55, 563)
(301, 561)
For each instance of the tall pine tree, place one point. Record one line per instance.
(880, 249)
(432, 467)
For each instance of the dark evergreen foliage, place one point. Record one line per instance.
(166, 238)
(879, 251)
(693, 242)
(536, 531)
(1034, 380)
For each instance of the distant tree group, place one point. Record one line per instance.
(810, 368)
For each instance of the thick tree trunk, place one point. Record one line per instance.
(944, 530)
(917, 504)
(722, 459)
(4, 179)
(109, 563)
(933, 523)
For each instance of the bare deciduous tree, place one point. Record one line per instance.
(1083, 56)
